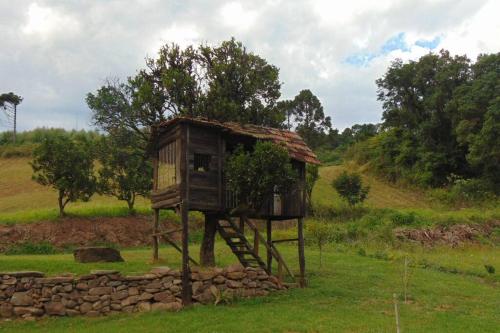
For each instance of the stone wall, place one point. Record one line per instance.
(30, 294)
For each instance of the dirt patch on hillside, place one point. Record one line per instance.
(121, 231)
(453, 235)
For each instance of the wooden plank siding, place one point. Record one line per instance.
(205, 189)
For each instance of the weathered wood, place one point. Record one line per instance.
(186, 272)
(156, 222)
(175, 246)
(285, 240)
(302, 259)
(170, 203)
(269, 243)
(167, 232)
(274, 251)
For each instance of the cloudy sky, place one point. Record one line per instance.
(54, 52)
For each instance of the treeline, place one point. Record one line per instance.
(27, 140)
(441, 123)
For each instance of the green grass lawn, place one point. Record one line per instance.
(350, 293)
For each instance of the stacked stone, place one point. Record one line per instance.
(30, 294)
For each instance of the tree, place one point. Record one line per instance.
(312, 124)
(350, 187)
(255, 176)
(126, 171)
(9, 103)
(319, 233)
(67, 166)
(224, 83)
(416, 101)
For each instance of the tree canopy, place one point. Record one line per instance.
(225, 82)
(441, 118)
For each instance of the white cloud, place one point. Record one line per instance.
(45, 22)
(182, 34)
(54, 52)
(237, 17)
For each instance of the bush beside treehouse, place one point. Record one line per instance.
(255, 175)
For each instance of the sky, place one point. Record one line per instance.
(55, 52)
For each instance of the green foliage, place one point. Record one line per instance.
(490, 269)
(319, 233)
(31, 248)
(254, 176)
(28, 139)
(224, 82)
(125, 171)
(67, 166)
(441, 117)
(310, 118)
(350, 188)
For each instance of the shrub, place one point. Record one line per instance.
(490, 269)
(350, 188)
(404, 219)
(31, 248)
(254, 176)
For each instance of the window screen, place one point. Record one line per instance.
(166, 166)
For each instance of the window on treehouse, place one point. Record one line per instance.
(202, 162)
(166, 166)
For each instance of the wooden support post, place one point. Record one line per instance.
(302, 259)
(269, 243)
(156, 223)
(186, 272)
(256, 242)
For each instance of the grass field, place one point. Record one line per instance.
(450, 289)
(350, 293)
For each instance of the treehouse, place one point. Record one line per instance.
(189, 175)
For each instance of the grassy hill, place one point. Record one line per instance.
(23, 200)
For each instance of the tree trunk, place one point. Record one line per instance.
(207, 254)
(61, 204)
(130, 204)
(15, 122)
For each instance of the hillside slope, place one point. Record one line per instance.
(19, 194)
(381, 195)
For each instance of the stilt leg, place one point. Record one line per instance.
(269, 242)
(156, 222)
(186, 272)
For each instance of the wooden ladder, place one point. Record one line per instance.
(238, 243)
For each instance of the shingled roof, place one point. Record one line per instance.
(297, 148)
